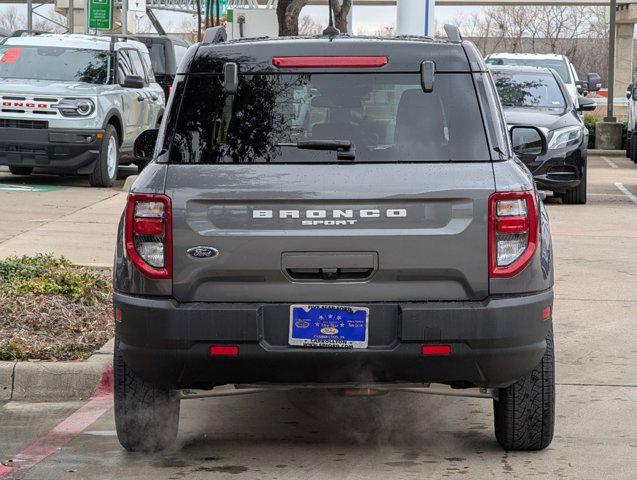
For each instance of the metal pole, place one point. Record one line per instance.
(29, 15)
(70, 17)
(86, 17)
(124, 19)
(611, 63)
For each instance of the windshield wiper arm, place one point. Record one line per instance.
(344, 148)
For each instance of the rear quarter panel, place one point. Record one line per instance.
(512, 175)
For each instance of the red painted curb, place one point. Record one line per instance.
(66, 430)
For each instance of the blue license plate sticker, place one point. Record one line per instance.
(328, 326)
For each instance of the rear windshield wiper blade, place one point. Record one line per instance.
(344, 148)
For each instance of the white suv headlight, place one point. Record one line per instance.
(565, 137)
(76, 107)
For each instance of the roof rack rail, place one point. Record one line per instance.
(119, 37)
(24, 33)
(214, 35)
(453, 33)
(21, 33)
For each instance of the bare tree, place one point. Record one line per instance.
(578, 32)
(385, 31)
(287, 12)
(307, 26)
(11, 20)
(340, 9)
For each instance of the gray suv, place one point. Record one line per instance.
(334, 212)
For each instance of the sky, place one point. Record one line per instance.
(370, 18)
(366, 18)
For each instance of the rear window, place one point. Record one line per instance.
(386, 117)
(559, 66)
(158, 58)
(528, 90)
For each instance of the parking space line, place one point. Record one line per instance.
(626, 192)
(66, 430)
(610, 162)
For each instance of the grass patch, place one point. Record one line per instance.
(51, 309)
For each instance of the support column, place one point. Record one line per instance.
(623, 57)
(415, 17)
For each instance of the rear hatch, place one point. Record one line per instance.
(405, 232)
(399, 213)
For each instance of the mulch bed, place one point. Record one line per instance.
(51, 309)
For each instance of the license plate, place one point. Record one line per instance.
(329, 326)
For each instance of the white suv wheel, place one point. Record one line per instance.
(111, 158)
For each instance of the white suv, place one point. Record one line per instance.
(631, 125)
(75, 103)
(560, 63)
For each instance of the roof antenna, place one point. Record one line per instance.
(331, 30)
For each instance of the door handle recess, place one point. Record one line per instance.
(329, 266)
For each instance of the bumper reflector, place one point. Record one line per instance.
(224, 350)
(436, 350)
(546, 313)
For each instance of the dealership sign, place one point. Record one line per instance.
(100, 14)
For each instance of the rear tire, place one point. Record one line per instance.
(629, 141)
(105, 172)
(20, 170)
(577, 195)
(524, 414)
(146, 416)
(633, 147)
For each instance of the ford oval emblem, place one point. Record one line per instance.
(202, 252)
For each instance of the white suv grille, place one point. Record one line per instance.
(40, 106)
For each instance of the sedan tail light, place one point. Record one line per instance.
(513, 232)
(148, 234)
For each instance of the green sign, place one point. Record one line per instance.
(100, 14)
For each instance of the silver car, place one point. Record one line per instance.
(75, 103)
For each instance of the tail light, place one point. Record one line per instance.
(513, 232)
(329, 62)
(148, 234)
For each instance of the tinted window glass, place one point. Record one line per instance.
(158, 58)
(55, 63)
(387, 118)
(529, 90)
(136, 61)
(558, 65)
(180, 51)
(124, 65)
(150, 75)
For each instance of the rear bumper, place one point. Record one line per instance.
(493, 343)
(64, 150)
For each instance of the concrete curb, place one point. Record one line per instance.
(54, 381)
(607, 153)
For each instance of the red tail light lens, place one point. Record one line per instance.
(148, 234)
(436, 350)
(513, 232)
(224, 350)
(327, 62)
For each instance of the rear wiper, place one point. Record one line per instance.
(344, 148)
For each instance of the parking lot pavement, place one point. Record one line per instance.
(60, 215)
(319, 435)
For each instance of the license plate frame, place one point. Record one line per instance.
(329, 326)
